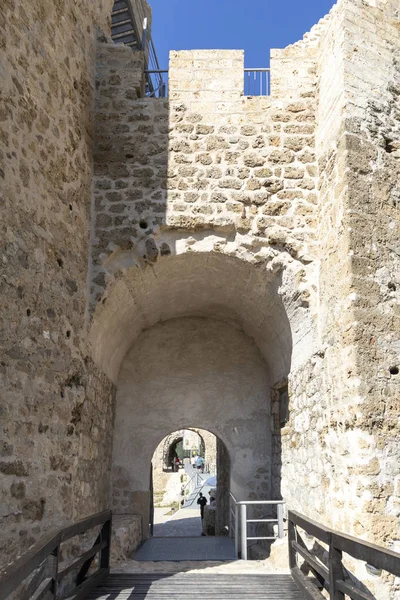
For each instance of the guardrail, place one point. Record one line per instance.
(238, 522)
(194, 482)
(44, 557)
(156, 83)
(333, 576)
(257, 82)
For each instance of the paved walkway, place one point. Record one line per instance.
(186, 548)
(184, 523)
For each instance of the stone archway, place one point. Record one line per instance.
(197, 339)
(167, 487)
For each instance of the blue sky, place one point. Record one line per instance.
(252, 25)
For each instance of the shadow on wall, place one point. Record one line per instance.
(130, 164)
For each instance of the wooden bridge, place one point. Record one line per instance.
(315, 560)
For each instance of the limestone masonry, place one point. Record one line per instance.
(208, 261)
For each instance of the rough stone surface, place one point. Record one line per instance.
(208, 369)
(304, 184)
(126, 537)
(269, 219)
(56, 405)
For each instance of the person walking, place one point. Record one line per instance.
(202, 501)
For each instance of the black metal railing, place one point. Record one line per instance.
(42, 561)
(330, 574)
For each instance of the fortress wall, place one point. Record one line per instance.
(372, 124)
(315, 451)
(208, 171)
(56, 406)
(352, 393)
(302, 185)
(203, 172)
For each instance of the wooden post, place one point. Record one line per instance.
(106, 532)
(56, 554)
(335, 570)
(291, 538)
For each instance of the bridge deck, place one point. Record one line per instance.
(197, 587)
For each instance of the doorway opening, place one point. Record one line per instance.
(190, 475)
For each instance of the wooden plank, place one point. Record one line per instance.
(43, 588)
(312, 561)
(126, 586)
(306, 586)
(291, 539)
(106, 533)
(379, 557)
(85, 524)
(311, 527)
(13, 575)
(350, 590)
(82, 559)
(321, 579)
(89, 585)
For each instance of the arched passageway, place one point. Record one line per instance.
(205, 469)
(196, 340)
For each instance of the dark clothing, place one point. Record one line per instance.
(202, 501)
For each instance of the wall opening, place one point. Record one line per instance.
(190, 468)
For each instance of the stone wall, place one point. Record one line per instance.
(56, 405)
(276, 217)
(208, 159)
(285, 183)
(373, 145)
(210, 368)
(343, 403)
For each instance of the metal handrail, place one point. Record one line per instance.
(155, 84)
(241, 521)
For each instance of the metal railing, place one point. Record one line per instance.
(156, 83)
(257, 82)
(194, 482)
(155, 80)
(42, 561)
(238, 522)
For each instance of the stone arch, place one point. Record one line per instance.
(202, 275)
(222, 470)
(218, 309)
(170, 442)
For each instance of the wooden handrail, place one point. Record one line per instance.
(332, 576)
(14, 574)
